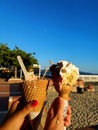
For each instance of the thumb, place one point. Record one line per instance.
(30, 107)
(59, 106)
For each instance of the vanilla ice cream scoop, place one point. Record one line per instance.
(68, 72)
(64, 72)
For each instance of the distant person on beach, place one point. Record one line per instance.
(90, 87)
(80, 86)
(54, 121)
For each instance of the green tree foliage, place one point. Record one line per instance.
(4, 55)
(8, 57)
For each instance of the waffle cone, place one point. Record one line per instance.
(65, 91)
(35, 90)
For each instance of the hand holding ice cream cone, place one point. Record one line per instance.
(33, 89)
(64, 76)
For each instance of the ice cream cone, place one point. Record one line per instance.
(64, 76)
(35, 90)
(65, 91)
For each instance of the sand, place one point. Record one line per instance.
(84, 108)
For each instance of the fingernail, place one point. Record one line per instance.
(34, 103)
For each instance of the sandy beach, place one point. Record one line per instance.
(84, 108)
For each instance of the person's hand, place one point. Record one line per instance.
(16, 117)
(55, 120)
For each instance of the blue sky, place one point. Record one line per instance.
(54, 29)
